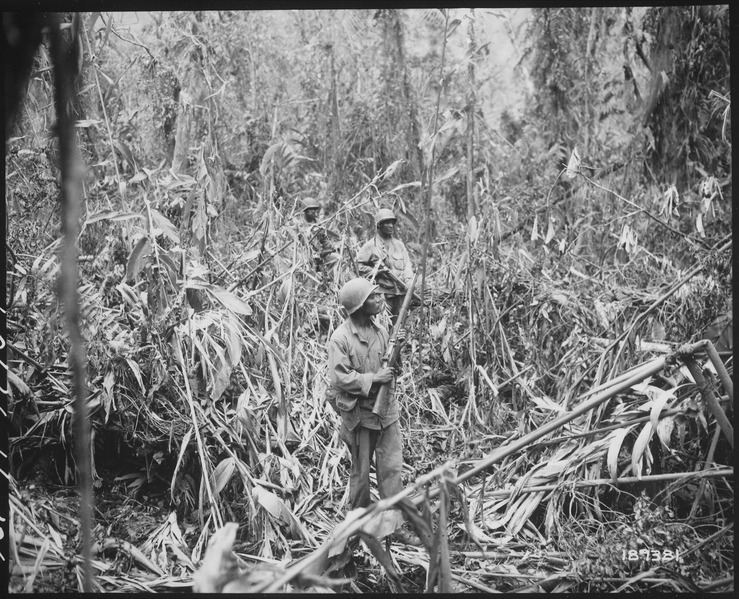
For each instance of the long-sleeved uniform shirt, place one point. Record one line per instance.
(396, 256)
(354, 355)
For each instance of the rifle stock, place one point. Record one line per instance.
(393, 348)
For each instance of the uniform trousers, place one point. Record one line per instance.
(385, 446)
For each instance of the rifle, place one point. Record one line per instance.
(393, 347)
(381, 269)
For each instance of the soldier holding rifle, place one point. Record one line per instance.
(362, 373)
(385, 259)
(316, 237)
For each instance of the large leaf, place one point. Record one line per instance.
(222, 474)
(614, 448)
(230, 300)
(183, 448)
(268, 157)
(112, 215)
(268, 500)
(126, 153)
(658, 404)
(641, 450)
(162, 222)
(134, 264)
(664, 430)
(136, 373)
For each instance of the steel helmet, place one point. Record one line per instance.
(384, 214)
(310, 203)
(354, 293)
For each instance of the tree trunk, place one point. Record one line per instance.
(399, 109)
(190, 124)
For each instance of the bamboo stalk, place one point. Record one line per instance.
(723, 374)
(72, 172)
(718, 583)
(706, 466)
(121, 187)
(707, 540)
(596, 482)
(430, 180)
(710, 398)
(606, 429)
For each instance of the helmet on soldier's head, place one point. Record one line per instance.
(309, 203)
(354, 293)
(384, 214)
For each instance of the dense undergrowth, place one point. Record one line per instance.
(207, 377)
(205, 325)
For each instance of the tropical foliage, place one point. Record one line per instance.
(568, 237)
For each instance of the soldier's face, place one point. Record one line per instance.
(311, 214)
(374, 304)
(387, 228)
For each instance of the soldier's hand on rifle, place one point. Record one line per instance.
(402, 334)
(384, 375)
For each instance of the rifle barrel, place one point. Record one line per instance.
(393, 349)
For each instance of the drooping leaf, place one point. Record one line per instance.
(641, 450)
(535, 228)
(573, 166)
(230, 300)
(126, 153)
(162, 222)
(136, 373)
(140, 176)
(180, 456)
(658, 404)
(664, 430)
(222, 474)
(447, 174)
(614, 448)
(390, 170)
(550, 230)
(268, 500)
(134, 264)
(112, 215)
(268, 157)
(18, 383)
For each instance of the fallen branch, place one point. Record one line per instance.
(596, 482)
(605, 429)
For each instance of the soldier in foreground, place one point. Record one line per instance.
(355, 354)
(387, 258)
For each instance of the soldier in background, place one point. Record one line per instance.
(386, 257)
(316, 237)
